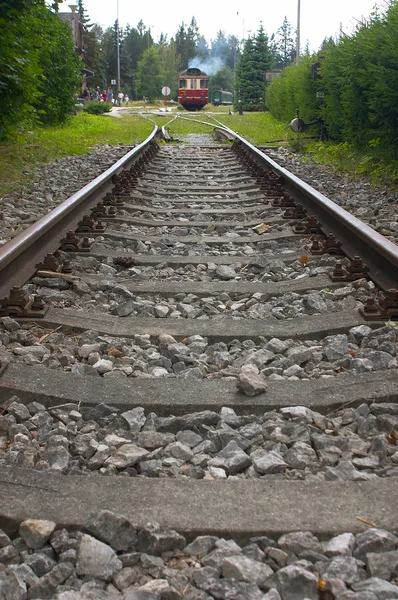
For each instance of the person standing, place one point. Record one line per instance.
(109, 94)
(120, 98)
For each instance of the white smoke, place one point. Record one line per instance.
(210, 66)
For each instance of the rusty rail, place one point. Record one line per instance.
(19, 257)
(377, 252)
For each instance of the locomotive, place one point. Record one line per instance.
(193, 91)
(222, 97)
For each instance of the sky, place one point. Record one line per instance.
(319, 18)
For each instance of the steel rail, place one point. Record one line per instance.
(377, 252)
(19, 256)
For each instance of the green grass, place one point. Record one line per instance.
(19, 158)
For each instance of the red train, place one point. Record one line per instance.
(193, 93)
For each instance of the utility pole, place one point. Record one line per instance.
(298, 34)
(118, 46)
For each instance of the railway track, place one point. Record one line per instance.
(186, 359)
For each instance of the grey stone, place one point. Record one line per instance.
(383, 590)
(126, 456)
(300, 455)
(141, 595)
(58, 458)
(382, 360)
(251, 383)
(340, 544)
(224, 272)
(36, 533)
(162, 588)
(230, 589)
(103, 366)
(298, 541)
(232, 459)
(294, 582)
(242, 568)
(40, 563)
(383, 565)
(336, 347)
(342, 567)
(96, 559)
(203, 544)
(8, 555)
(299, 354)
(268, 462)
(113, 529)
(273, 594)
(345, 471)
(46, 586)
(154, 540)
(12, 588)
(134, 418)
(349, 595)
(374, 540)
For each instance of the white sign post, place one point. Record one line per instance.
(166, 91)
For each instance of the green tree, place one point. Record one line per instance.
(185, 40)
(149, 75)
(250, 74)
(39, 69)
(109, 54)
(283, 46)
(224, 80)
(60, 68)
(92, 34)
(168, 62)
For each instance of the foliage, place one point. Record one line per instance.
(359, 84)
(149, 75)
(294, 89)
(250, 83)
(39, 69)
(60, 67)
(97, 108)
(283, 46)
(224, 80)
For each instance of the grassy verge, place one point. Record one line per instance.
(379, 168)
(19, 158)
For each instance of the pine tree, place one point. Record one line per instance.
(283, 45)
(149, 75)
(250, 74)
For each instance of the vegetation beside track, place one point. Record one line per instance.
(19, 158)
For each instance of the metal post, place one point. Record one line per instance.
(298, 34)
(118, 47)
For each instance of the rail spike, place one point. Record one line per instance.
(356, 269)
(50, 263)
(20, 304)
(384, 306)
(71, 243)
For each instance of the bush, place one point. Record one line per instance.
(97, 108)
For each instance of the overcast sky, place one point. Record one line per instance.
(319, 18)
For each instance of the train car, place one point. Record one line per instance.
(193, 91)
(223, 97)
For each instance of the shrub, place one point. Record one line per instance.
(97, 108)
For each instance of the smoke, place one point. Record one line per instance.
(210, 65)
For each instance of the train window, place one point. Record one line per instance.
(193, 84)
(203, 84)
(183, 83)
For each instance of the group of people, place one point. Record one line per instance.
(106, 95)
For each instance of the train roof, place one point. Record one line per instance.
(193, 72)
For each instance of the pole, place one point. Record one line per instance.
(298, 33)
(118, 46)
